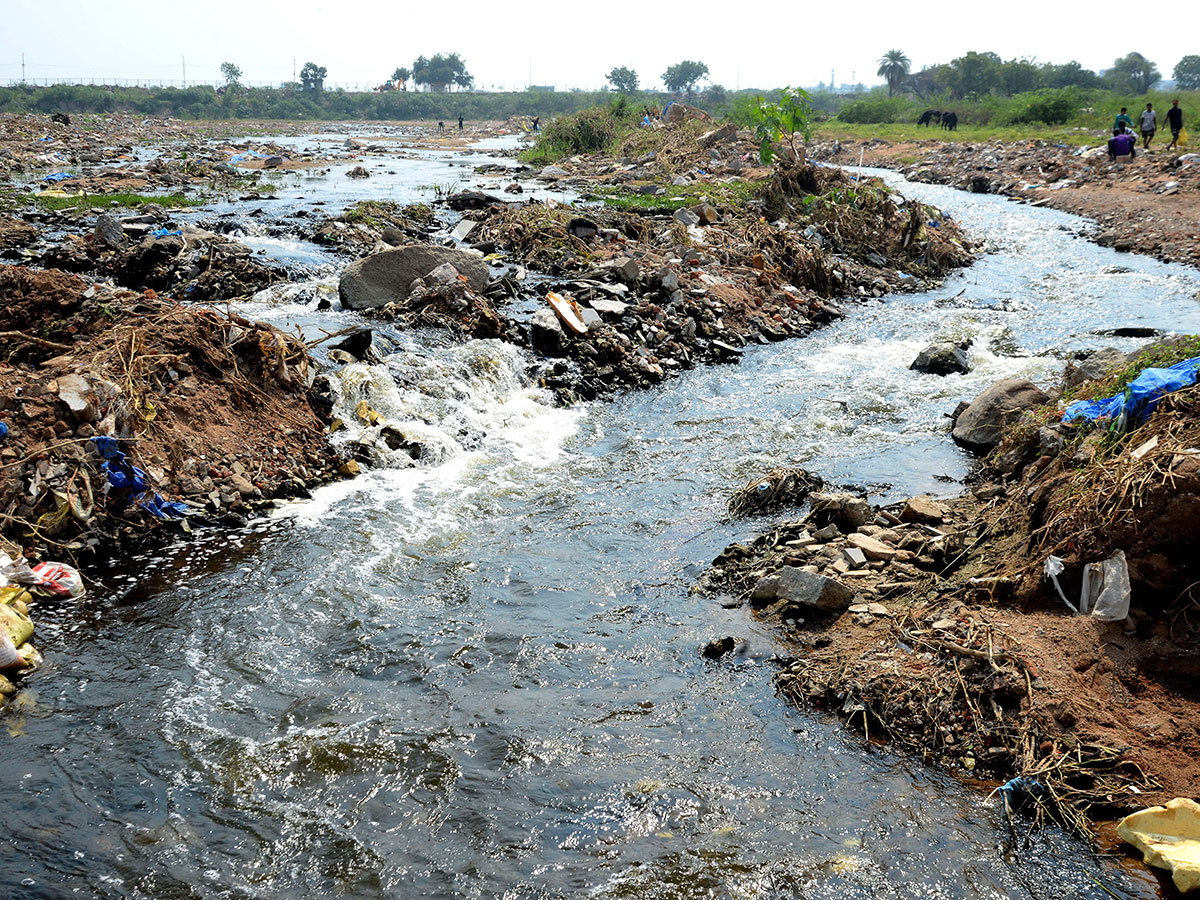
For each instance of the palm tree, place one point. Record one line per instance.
(893, 66)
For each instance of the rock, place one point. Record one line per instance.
(384, 277)
(846, 511)
(1096, 365)
(392, 236)
(686, 217)
(669, 279)
(943, 358)
(61, 118)
(109, 232)
(828, 533)
(726, 132)
(979, 184)
(274, 162)
(553, 172)
(718, 648)
(817, 591)
(443, 274)
(583, 228)
(871, 547)
(358, 345)
(611, 308)
(545, 332)
(854, 557)
(242, 485)
(349, 469)
(470, 200)
(766, 589)
(922, 509)
(707, 213)
(980, 425)
(626, 268)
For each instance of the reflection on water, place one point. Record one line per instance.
(477, 676)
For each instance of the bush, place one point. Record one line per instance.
(586, 131)
(876, 110)
(1046, 107)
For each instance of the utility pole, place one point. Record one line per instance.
(184, 69)
(22, 68)
(293, 70)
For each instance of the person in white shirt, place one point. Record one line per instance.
(1149, 121)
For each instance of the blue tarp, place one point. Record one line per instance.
(125, 476)
(249, 154)
(163, 232)
(1134, 404)
(58, 176)
(3, 431)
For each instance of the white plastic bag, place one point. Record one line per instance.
(1105, 592)
(1053, 569)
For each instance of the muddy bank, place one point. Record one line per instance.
(1150, 205)
(931, 624)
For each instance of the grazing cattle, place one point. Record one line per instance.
(930, 115)
(950, 121)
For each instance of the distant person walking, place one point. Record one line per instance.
(460, 123)
(1149, 120)
(1175, 123)
(1122, 122)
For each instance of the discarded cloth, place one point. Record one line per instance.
(123, 475)
(1134, 404)
(58, 176)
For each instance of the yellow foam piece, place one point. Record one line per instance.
(1169, 838)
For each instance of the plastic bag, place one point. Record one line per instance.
(1105, 593)
(1183, 138)
(57, 580)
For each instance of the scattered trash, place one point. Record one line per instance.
(1134, 404)
(1169, 838)
(249, 154)
(3, 430)
(58, 176)
(1105, 591)
(57, 580)
(778, 489)
(122, 475)
(163, 232)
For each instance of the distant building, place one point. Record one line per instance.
(548, 88)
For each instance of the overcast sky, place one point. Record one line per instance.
(764, 44)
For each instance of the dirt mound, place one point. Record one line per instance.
(211, 407)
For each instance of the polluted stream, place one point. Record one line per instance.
(477, 675)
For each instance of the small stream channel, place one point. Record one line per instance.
(478, 677)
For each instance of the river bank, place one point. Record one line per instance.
(932, 626)
(1149, 205)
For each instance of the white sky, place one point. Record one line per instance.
(567, 44)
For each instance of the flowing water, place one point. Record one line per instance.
(477, 675)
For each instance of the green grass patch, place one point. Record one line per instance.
(130, 201)
(1159, 355)
(898, 132)
(587, 131)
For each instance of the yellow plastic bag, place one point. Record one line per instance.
(1182, 137)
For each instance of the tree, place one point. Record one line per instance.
(975, 73)
(1187, 73)
(312, 77)
(682, 77)
(1132, 73)
(773, 122)
(231, 73)
(401, 76)
(716, 94)
(893, 66)
(442, 72)
(1018, 76)
(1070, 74)
(623, 79)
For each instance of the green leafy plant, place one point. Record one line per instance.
(775, 122)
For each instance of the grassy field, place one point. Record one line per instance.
(897, 132)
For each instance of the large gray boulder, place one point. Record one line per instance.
(980, 425)
(385, 277)
(814, 591)
(1096, 365)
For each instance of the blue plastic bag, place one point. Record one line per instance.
(123, 475)
(1135, 404)
(3, 431)
(58, 176)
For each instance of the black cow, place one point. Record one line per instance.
(930, 115)
(950, 121)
